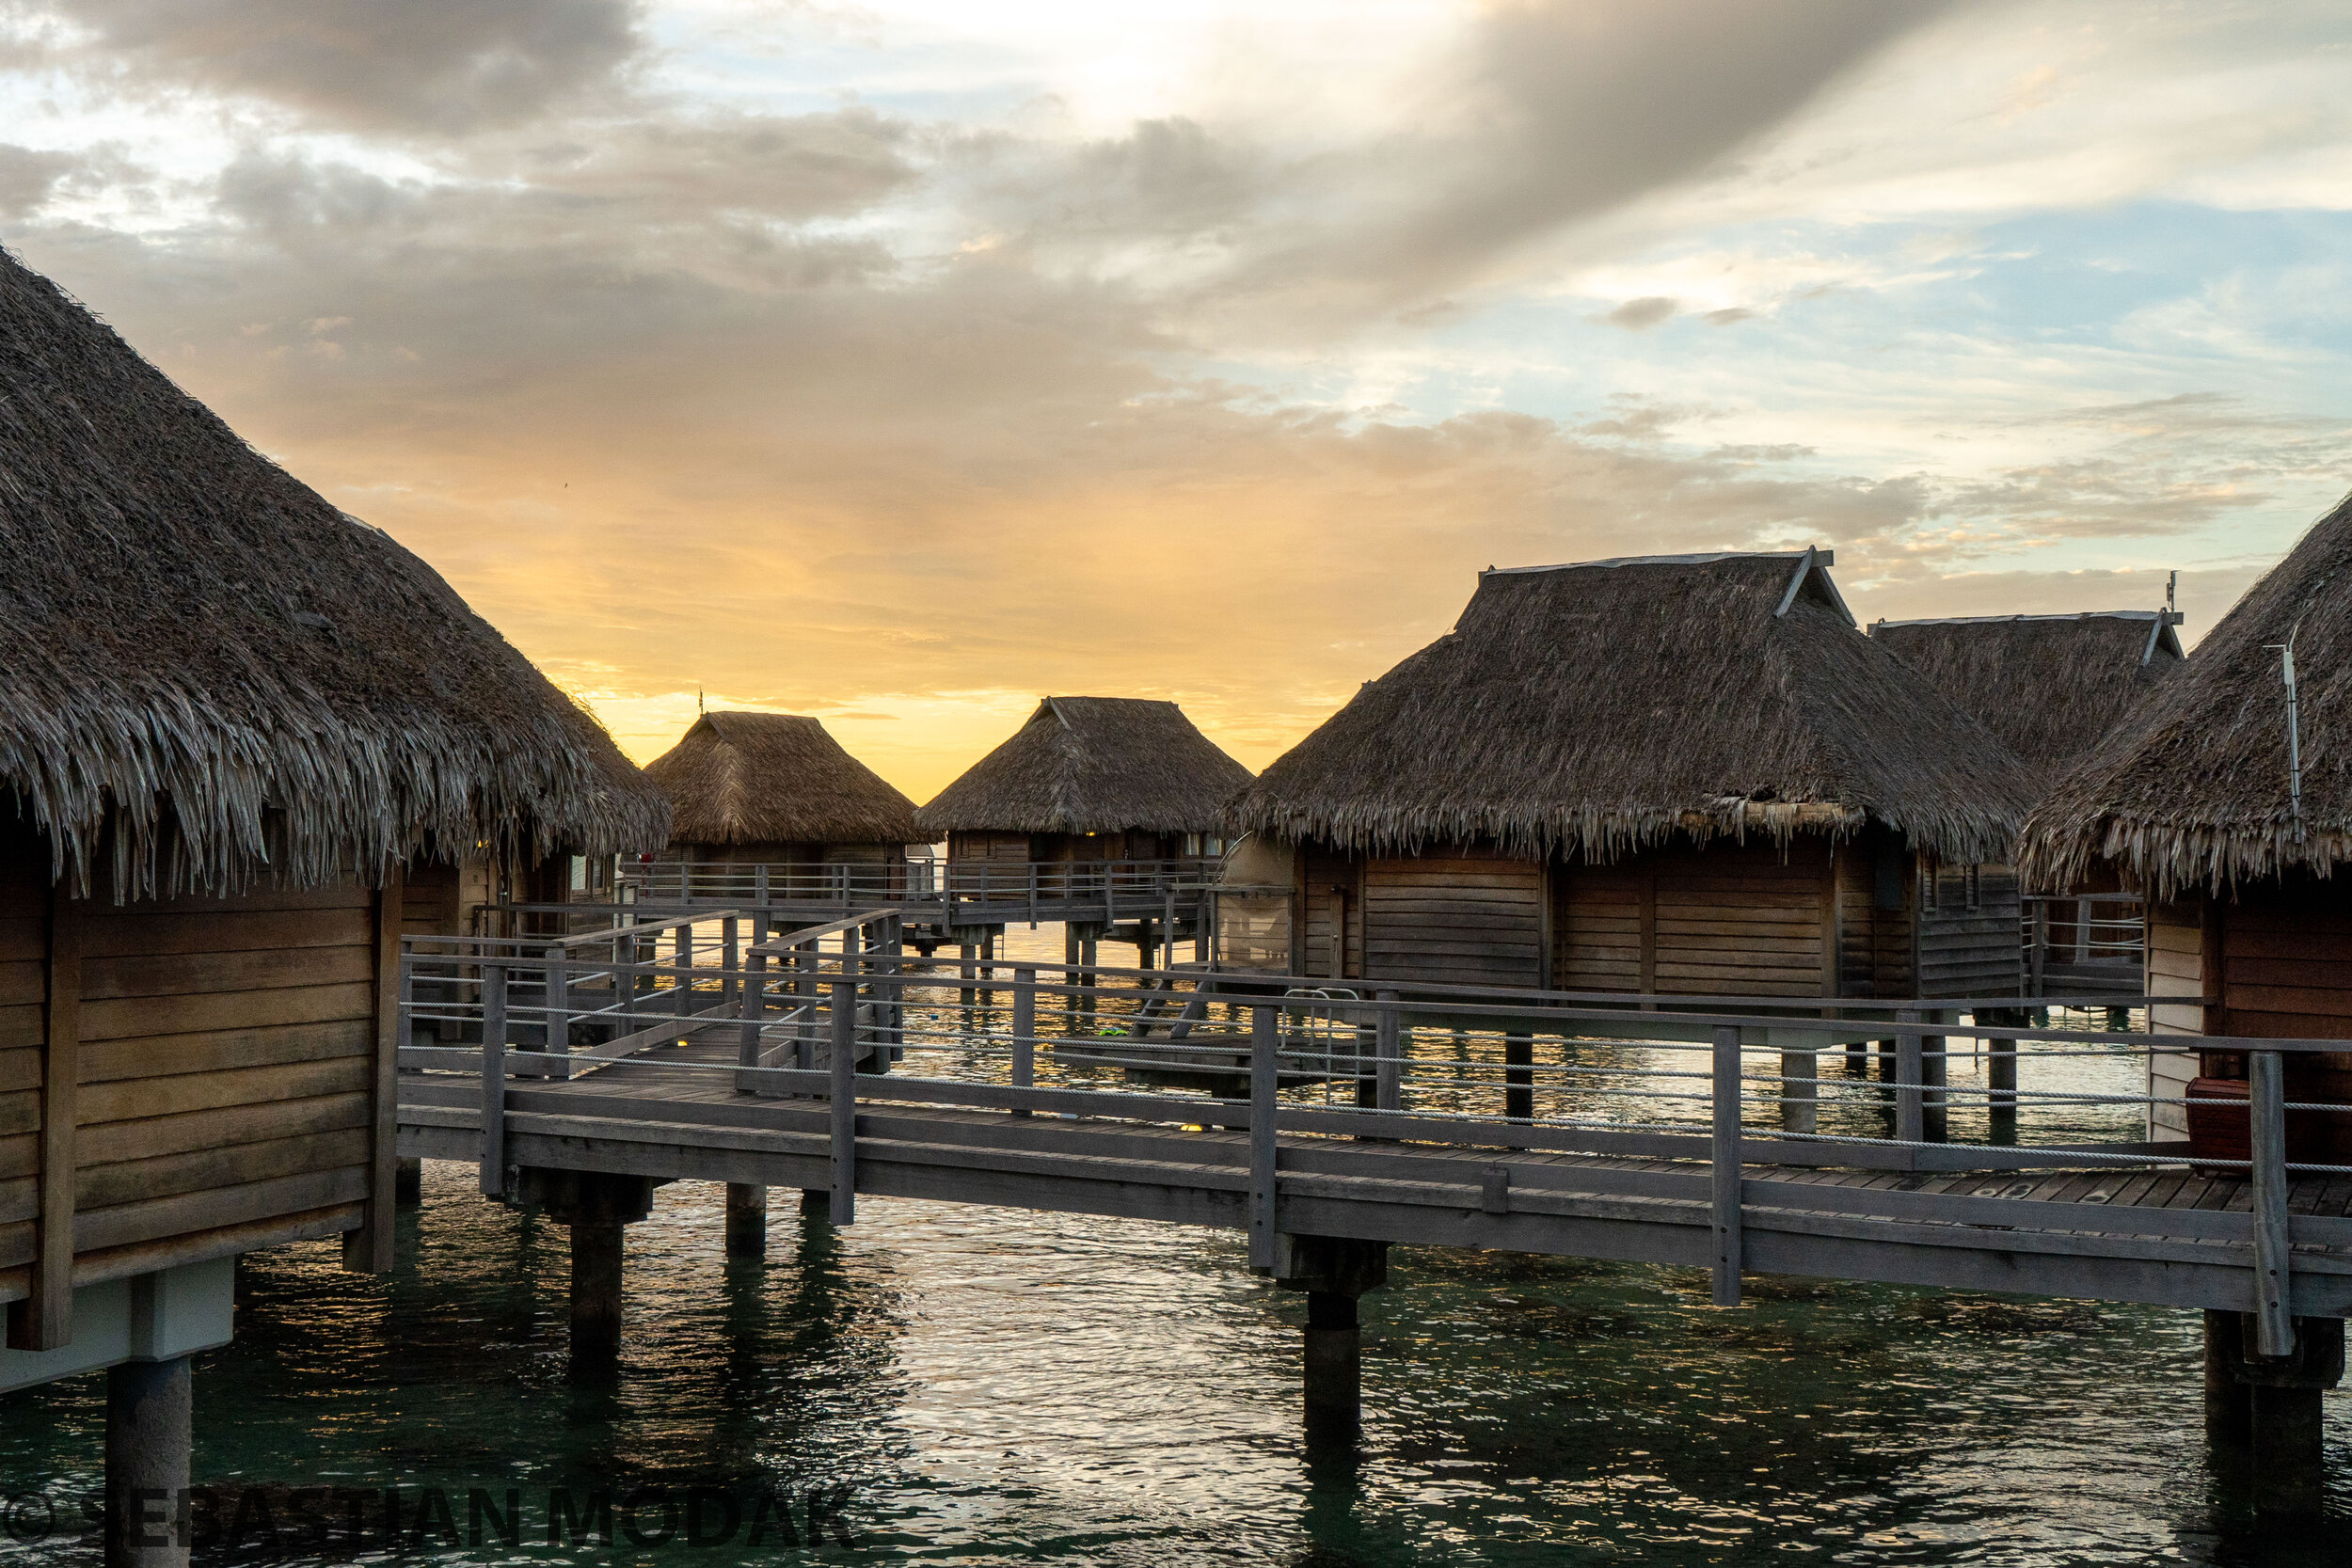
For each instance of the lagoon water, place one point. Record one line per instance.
(967, 1385)
(999, 1387)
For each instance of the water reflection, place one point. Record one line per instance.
(1001, 1388)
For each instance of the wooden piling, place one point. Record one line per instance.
(148, 1425)
(747, 1220)
(596, 1317)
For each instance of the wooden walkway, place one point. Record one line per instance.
(2160, 1235)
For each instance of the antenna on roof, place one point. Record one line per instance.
(698, 702)
(2295, 738)
(2171, 587)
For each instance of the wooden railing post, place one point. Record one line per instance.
(493, 1080)
(2274, 1323)
(1726, 1166)
(844, 1106)
(804, 1034)
(1800, 1080)
(754, 1012)
(1908, 1106)
(730, 959)
(1934, 1070)
(1263, 1151)
(559, 1000)
(1389, 1094)
(682, 950)
(2000, 1070)
(1024, 1031)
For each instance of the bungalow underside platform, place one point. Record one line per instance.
(2157, 1234)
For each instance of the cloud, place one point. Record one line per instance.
(1557, 111)
(440, 66)
(1640, 315)
(28, 176)
(908, 419)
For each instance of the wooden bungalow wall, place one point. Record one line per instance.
(1730, 918)
(1861, 918)
(1971, 940)
(2273, 962)
(228, 1073)
(792, 854)
(994, 849)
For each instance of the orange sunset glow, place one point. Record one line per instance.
(898, 364)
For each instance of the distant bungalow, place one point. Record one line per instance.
(776, 790)
(1665, 775)
(2050, 686)
(1090, 779)
(2196, 802)
(235, 726)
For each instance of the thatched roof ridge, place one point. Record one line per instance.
(775, 778)
(1092, 765)
(2192, 792)
(215, 677)
(2049, 686)
(1598, 707)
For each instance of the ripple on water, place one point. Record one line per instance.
(1004, 1388)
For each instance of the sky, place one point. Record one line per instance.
(901, 363)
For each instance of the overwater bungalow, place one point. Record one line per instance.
(2052, 687)
(236, 724)
(775, 789)
(1089, 779)
(2229, 805)
(1660, 774)
(1091, 791)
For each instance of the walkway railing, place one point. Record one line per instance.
(2088, 942)
(1721, 1085)
(938, 894)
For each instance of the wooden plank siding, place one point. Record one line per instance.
(2176, 967)
(1461, 916)
(1604, 921)
(1895, 873)
(1331, 938)
(1971, 932)
(229, 1056)
(1856, 889)
(1685, 921)
(228, 1082)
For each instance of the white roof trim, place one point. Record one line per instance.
(2004, 620)
(1827, 557)
(1815, 561)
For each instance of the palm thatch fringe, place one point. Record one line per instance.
(2049, 686)
(775, 778)
(1599, 709)
(1092, 765)
(215, 677)
(2192, 792)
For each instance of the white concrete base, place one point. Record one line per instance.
(149, 1317)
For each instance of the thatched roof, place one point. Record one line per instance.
(775, 778)
(2049, 686)
(2192, 790)
(1598, 707)
(1094, 765)
(212, 676)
